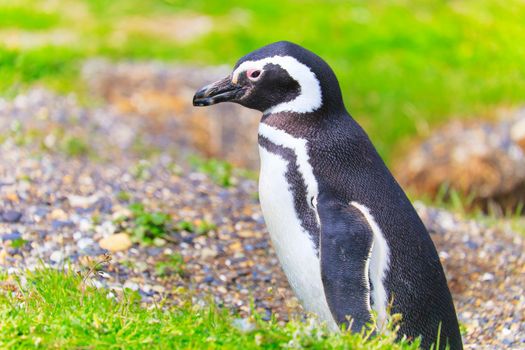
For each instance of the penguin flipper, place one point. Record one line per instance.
(345, 247)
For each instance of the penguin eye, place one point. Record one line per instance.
(253, 74)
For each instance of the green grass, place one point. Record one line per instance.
(58, 310)
(26, 18)
(404, 65)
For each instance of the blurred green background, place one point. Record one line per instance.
(404, 66)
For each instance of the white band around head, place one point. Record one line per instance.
(310, 96)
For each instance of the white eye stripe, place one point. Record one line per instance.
(310, 97)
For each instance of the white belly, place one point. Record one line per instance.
(294, 248)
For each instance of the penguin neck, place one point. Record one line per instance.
(305, 124)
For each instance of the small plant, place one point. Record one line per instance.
(203, 227)
(200, 227)
(219, 171)
(74, 147)
(18, 243)
(141, 170)
(185, 225)
(123, 196)
(147, 226)
(174, 265)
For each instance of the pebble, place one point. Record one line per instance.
(84, 243)
(13, 236)
(243, 324)
(59, 224)
(83, 201)
(131, 285)
(11, 216)
(57, 257)
(116, 242)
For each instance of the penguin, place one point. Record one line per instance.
(350, 242)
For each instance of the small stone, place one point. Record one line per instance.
(104, 274)
(84, 243)
(209, 279)
(58, 214)
(12, 216)
(104, 205)
(154, 251)
(208, 253)
(84, 225)
(131, 285)
(13, 236)
(59, 224)
(40, 213)
(243, 324)
(106, 228)
(235, 246)
(487, 277)
(246, 234)
(82, 201)
(158, 288)
(116, 242)
(57, 257)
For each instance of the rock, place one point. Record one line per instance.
(84, 243)
(11, 216)
(116, 242)
(208, 253)
(131, 285)
(57, 257)
(246, 234)
(59, 224)
(58, 214)
(83, 201)
(484, 160)
(13, 236)
(106, 228)
(243, 324)
(104, 205)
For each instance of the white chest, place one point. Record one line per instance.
(291, 241)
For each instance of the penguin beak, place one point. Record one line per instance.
(221, 91)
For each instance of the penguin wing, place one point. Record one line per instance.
(345, 247)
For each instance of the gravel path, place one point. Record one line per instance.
(56, 206)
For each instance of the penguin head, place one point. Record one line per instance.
(280, 77)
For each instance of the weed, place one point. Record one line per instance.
(204, 226)
(141, 170)
(123, 196)
(174, 265)
(147, 226)
(185, 225)
(221, 172)
(200, 227)
(18, 243)
(74, 146)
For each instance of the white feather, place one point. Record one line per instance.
(295, 249)
(379, 261)
(299, 146)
